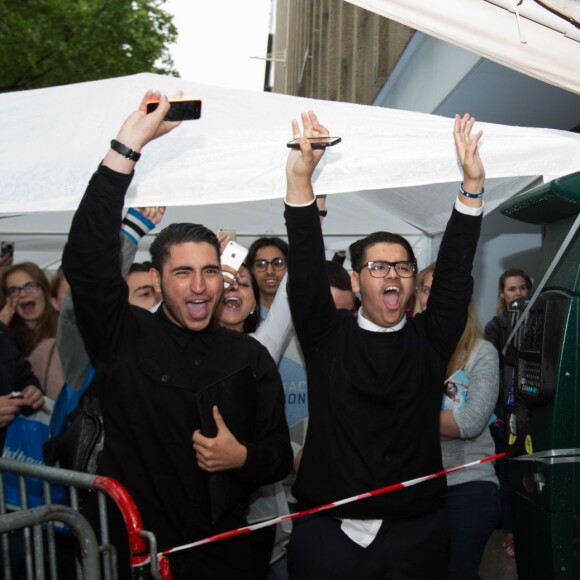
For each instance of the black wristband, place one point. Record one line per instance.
(125, 151)
(322, 212)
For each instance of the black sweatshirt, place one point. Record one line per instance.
(148, 371)
(374, 397)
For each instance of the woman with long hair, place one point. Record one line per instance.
(471, 502)
(27, 309)
(238, 309)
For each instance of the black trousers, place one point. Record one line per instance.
(413, 548)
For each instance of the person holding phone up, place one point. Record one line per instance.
(149, 367)
(375, 382)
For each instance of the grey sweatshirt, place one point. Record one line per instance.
(476, 441)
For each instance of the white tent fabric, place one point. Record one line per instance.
(520, 34)
(236, 153)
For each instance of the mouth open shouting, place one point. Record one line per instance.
(198, 309)
(392, 297)
(387, 290)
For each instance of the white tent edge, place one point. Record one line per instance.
(539, 43)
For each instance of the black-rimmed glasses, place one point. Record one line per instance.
(381, 268)
(277, 264)
(28, 288)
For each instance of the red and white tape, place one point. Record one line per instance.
(327, 506)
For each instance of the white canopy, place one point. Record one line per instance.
(54, 138)
(519, 34)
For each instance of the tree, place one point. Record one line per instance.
(55, 42)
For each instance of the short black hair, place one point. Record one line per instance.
(264, 243)
(357, 249)
(139, 267)
(177, 234)
(338, 277)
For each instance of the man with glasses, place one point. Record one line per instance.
(267, 259)
(375, 383)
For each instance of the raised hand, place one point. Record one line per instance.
(302, 162)
(139, 129)
(153, 214)
(468, 153)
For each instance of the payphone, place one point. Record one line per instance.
(543, 397)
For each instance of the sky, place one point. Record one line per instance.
(217, 39)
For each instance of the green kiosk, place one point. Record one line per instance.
(544, 393)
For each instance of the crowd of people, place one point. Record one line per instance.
(348, 382)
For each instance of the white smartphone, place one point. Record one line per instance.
(233, 256)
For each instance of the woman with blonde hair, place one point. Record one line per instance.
(27, 309)
(471, 502)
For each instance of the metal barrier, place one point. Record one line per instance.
(94, 560)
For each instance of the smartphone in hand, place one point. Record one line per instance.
(179, 109)
(233, 256)
(7, 249)
(315, 142)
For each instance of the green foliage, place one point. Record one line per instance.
(55, 42)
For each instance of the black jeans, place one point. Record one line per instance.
(412, 548)
(472, 511)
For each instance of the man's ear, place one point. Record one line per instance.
(355, 282)
(155, 280)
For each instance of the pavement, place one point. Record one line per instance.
(495, 565)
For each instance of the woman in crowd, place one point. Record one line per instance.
(239, 311)
(15, 375)
(472, 497)
(27, 309)
(513, 284)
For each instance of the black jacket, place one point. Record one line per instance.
(148, 371)
(15, 370)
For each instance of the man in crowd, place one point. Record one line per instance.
(150, 366)
(141, 291)
(375, 383)
(267, 258)
(340, 286)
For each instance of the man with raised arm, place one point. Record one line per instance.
(375, 382)
(151, 365)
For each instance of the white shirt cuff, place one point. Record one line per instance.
(462, 208)
(299, 204)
